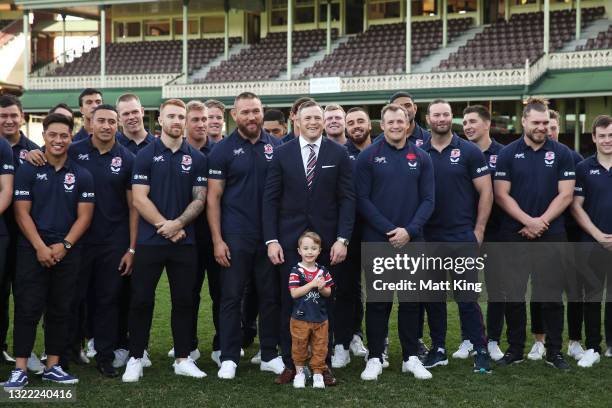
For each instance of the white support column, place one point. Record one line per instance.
(577, 126)
(63, 39)
(185, 47)
(328, 27)
(289, 38)
(408, 36)
(479, 12)
(226, 31)
(26, 50)
(507, 10)
(103, 46)
(546, 26)
(444, 23)
(365, 15)
(578, 19)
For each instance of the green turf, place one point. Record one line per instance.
(530, 384)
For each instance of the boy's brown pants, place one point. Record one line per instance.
(303, 333)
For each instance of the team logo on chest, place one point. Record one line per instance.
(22, 155)
(268, 151)
(186, 162)
(594, 172)
(419, 142)
(116, 164)
(549, 158)
(412, 160)
(492, 161)
(69, 181)
(455, 155)
(83, 156)
(380, 160)
(238, 152)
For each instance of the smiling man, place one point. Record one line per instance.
(216, 119)
(131, 118)
(335, 124)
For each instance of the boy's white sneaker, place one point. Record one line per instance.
(188, 368)
(275, 365)
(574, 349)
(299, 381)
(589, 358)
(372, 370)
(537, 351)
(341, 357)
(133, 370)
(494, 351)
(317, 381)
(227, 370)
(415, 366)
(465, 348)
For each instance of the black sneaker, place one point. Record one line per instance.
(557, 361)
(482, 362)
(510, 358)
(422, 350)
(435, 358)
(106, 369)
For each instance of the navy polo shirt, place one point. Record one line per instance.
(352, 150)
(21, 149)
(534, 176)
(395, 188)
(243, 166)
(202, 231)
(171, 178)
(419, 136)
(131, 145)
(288, 137)
(112, 174)
(82, 134)
(455, 168)
(594, 183)
(491, 159)
(6, 167)
(55, 196)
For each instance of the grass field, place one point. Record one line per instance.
(530, 384)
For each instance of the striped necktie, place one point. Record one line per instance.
(310, 165)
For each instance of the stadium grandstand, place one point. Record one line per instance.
(351, 52)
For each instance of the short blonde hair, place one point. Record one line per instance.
(195, 105)
(316, 238)
(175, 102)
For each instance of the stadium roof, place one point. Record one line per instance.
(574, 84)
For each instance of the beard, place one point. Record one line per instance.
(535, 137)
(361, 137)
(441, 129)
(173, 132)
(243, 128)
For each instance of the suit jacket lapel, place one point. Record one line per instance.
(298, 163)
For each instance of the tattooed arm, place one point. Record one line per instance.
(170, 228)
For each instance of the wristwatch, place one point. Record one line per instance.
(67, 244)
(131, 251)
(344, 241)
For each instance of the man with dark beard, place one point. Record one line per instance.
(237, 173)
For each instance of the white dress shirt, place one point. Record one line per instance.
(305, 150)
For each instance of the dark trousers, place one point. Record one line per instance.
(377, 318)
(8, 258)
(180, 263)
(291, 259)
(100, 264)
(38, 289)
(250, 310)
(125, 295)
(470, 314)
(551, 311)
(348, 296)
(249, 261)
(207, 266)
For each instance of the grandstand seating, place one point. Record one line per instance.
(268, 59)
(507, 44)
(8, 31)
(381, 49)
(150, 57)
(601, 42)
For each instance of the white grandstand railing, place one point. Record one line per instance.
(111, 81)
(220, 89)
(580, 59)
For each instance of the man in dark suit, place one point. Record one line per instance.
(309, 186)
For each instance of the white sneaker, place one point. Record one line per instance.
(608, 352)
(465, 348)
(195, 355)
(589, 358)
(133, 370)
(341, 357)
(7, 357)
(373, 370)
(385, 363)
(171, 353)
(241, 352)
(188, 368)
(83, 357)
(357, 347)
(574, 349)
(43, 356)
(275, 365)
(216, 357)
(494, 351)
(121, 358)
(91, 350)
(35, 365)
(537, 351)
(414, 366)
(227, 370)
(317, 381)
(299, 381)
(145, 360)
(256, 359)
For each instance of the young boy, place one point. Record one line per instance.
(309, 325)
